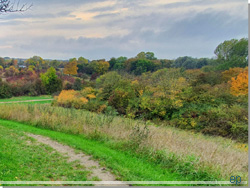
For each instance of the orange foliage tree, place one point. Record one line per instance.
(71, 68)
(232, 72)
(239, 85)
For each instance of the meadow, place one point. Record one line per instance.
(191, 155)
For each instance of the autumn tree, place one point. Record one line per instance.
(100, 67)
(71, 67)
(1, 68)
(11, 71)
(36, 61)
(239, 85)
(232, 72)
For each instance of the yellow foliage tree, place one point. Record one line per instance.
(100, 67)
(239, 85)
(71, 68)
(71, 98)
(11, 71)
(232, 72)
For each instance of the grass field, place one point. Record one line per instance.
(25, 98)
(22, 159)
(38, 163)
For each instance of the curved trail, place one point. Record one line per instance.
(85, 160)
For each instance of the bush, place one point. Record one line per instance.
(226, 121)
(70, 98)
(5, 90)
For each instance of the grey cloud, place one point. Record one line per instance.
(196, 35)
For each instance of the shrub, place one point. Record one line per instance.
(226, 121)
(71, 98)
(5, 90)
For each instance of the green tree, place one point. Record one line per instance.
(51, 81)
(141, 55)
(150, 56)
(82, 60)
(108, 82)
(232, 53)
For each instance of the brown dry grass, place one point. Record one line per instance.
(214, 152)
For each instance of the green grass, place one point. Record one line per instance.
(126, 165)
(24, 160)
(179, 150)
(25, 98)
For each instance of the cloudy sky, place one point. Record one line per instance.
(94, 29)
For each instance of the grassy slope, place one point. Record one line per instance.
(85, 123)
(22, 160)
(124, 164)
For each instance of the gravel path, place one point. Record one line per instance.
(91, 165)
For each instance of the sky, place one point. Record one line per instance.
(97, 29)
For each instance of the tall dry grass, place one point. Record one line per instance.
(218, 154)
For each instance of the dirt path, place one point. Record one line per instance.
(27, 101)
(93, 166)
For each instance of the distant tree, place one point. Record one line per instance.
(55, 64)
(8, 6)
(223, 51)
(150, 56)
(142, 65)
(100, 67)
(82, 60)
(36, 61)
(141, 55)
(71, 67)
(11, 71)
(13, 62)
(83, 66)
(165, 63)
(50, 81)
(232, 53)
